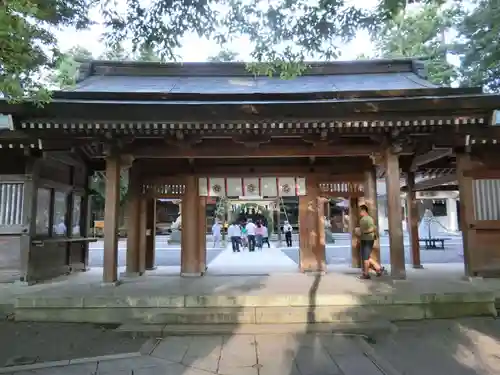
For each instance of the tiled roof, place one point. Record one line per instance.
(232, 78)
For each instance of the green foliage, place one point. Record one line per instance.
(66, 72)
(27, 44)
(115, 52)
(478, 46)
(224, 56)
(283, 33)
(419, 32)
(98, 188)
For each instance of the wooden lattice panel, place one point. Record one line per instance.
(341, 189)
(164, 190)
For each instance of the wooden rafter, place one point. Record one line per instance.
(429, 157)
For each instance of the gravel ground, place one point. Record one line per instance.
(27, 343)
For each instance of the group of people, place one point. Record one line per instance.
(248, 234)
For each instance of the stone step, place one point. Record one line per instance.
(263, 309)
(369, 329)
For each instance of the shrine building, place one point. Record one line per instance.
(195, 131)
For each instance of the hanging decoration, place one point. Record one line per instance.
(252, 187)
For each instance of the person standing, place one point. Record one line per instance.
(259, 235)
(250, 229)
(287, 228)
(216, 233)
(234, 233)
(368, 233)
(265, 236)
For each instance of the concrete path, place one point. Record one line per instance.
(458, 347)
(337, 253)
(258, 262)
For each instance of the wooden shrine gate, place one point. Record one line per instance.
(194, 191)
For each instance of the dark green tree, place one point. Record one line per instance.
(224, 56)
(115, 52)
(66, 72)
(283, 34)
(478, 46)
(420, 32)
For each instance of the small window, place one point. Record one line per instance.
(75, 218)
(59, 215)
(43, 212)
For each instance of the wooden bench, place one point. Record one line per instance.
(433, 243)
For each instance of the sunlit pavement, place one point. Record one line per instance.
(337, 253)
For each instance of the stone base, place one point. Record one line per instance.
(130, 275)
(418, 266)
(314, 272)
(191, 274)
(151, 269)
(175, 236)
(114, 283)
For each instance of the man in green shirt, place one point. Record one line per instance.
(368, 234)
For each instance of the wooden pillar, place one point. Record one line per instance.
(143, 233)
(353, 223)
(190, 254)
(30, 198)
(150, 233)
(202, 233)
(133, 219)
(312, 229)
(86, 218)
(413, 216)
(370, 191)
(396, 240)
(466, 208)
(111, 212)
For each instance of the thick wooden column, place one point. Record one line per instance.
(150, 233)
(143, 232)
(190, 254)
(133, 220)
(466, 208)
(370, 190)
(353, 223)
(413, 216)
(312, 229)
(396, 240)
(202, 233)
(30, 198)
(111, 212)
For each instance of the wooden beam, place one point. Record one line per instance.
(453, 187)
(67, 158)
(434, 182)
(224, 151)
(429, 157)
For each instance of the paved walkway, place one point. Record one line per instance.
(458, 347)
(258, 262)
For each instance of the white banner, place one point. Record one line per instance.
(251, 185)
(217, 187)
(287, 186)
(269, 186)
(234, 187)
(203, 186)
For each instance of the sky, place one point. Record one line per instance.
(196, 49)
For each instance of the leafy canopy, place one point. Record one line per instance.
(282, 33)
(478, 46)
(419, 31)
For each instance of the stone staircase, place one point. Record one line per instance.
(217, 314)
